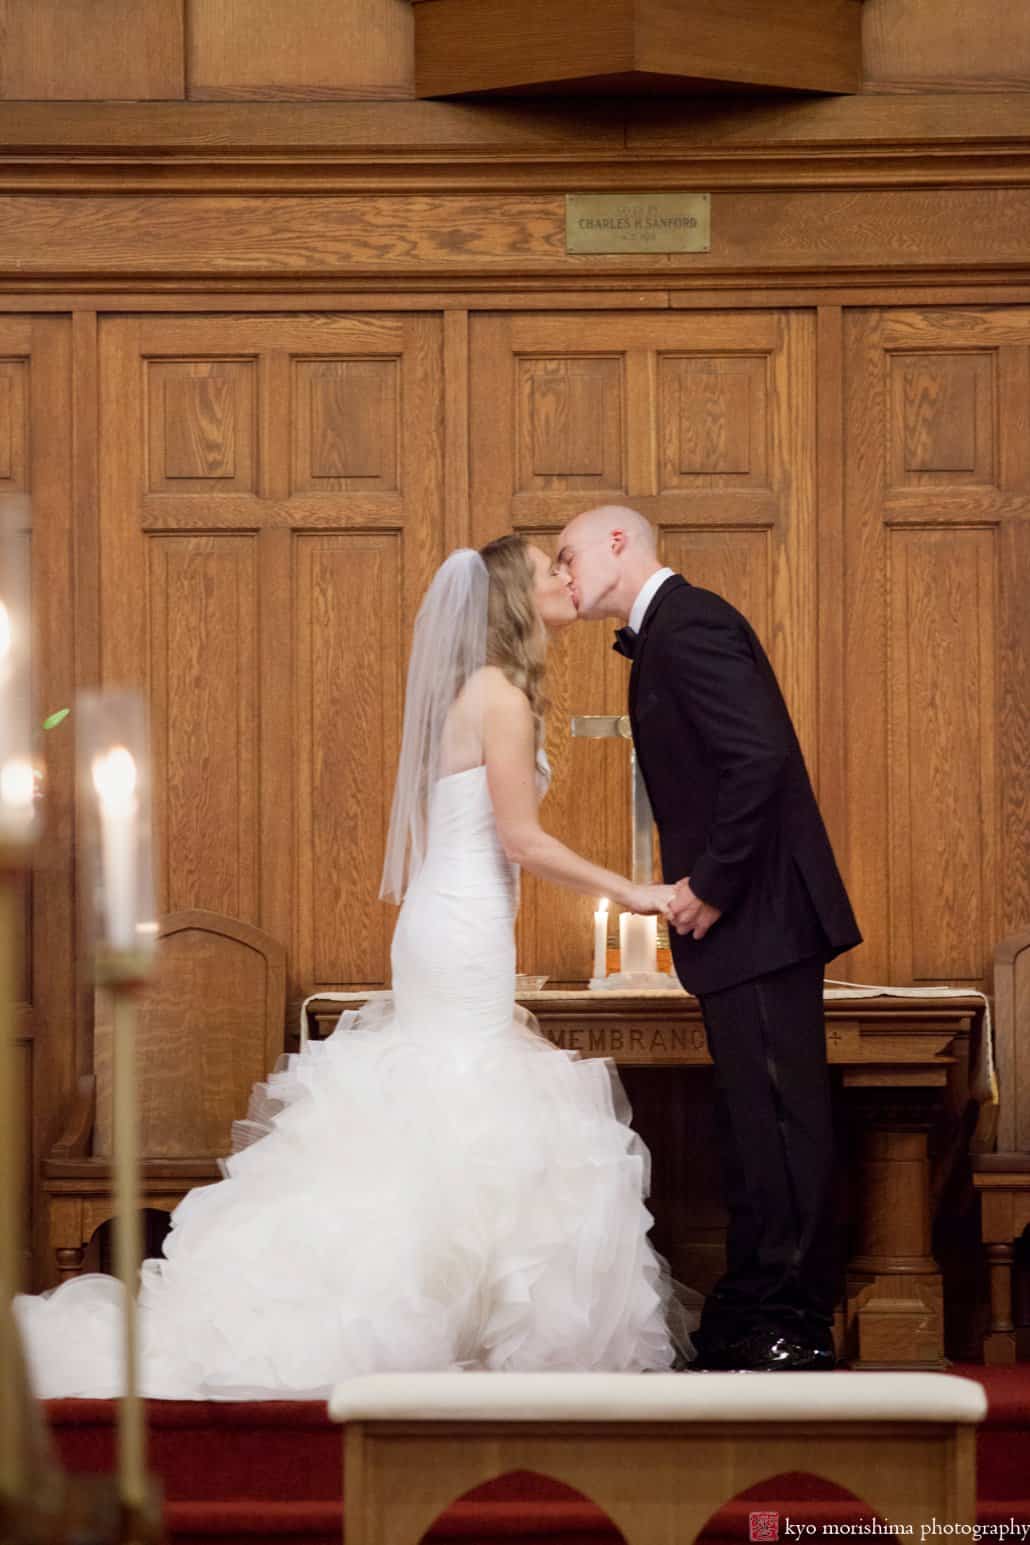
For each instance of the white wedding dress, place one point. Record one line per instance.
(434, 1186)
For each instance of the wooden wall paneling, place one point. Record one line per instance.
(86, 572)
(530, 420)
(54, 938)
(854, 233)
(36, 458)
(864, 645)
(829, 771)
(757, 128)
(457, 512)
(308, 452)
(948, 45)
(24, 1045)
(1013, 663)
(937, 632)
(15, 442)
(298, 50)
(91, 50)
(706, 424)
(942, 628)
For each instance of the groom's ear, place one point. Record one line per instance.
(618, 541)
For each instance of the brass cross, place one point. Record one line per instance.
(611, 726)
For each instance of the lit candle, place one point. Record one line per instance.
(114, 778)
(638, 939)
(17, 798)
(17, 774)
(601, 940)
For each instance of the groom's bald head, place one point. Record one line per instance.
(609, 551)
(613, 520)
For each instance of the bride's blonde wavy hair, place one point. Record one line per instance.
(516, 641)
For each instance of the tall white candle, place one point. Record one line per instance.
(114, 778)
(638, 939)
(601, 940)
(17, 799)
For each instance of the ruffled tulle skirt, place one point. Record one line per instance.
(398, 1201)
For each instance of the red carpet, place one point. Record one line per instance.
(269, 1473)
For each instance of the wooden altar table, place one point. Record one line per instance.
(889, 1052)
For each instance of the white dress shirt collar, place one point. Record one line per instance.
(646, 595)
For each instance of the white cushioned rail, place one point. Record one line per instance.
(660, 1397)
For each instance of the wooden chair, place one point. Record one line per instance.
(211, 1024)
(1003, 1178)
(660, 1453)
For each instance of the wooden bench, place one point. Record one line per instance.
(660, 1453)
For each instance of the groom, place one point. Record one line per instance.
(759, 908)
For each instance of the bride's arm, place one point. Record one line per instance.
(509, 751)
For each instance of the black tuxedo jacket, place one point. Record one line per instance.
(732, 800)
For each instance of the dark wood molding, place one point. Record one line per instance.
(629, 45)
(436, 148)
(765, 121)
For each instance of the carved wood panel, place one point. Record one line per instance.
(36, 460)
(937, 567)
(706, 425)
(270, 517)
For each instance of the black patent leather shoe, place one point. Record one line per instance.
(773, 1350)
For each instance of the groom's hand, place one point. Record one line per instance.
(689, 914)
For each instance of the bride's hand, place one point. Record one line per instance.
(646, 899)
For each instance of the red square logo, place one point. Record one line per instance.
(763, 1526)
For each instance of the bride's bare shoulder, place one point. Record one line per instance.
(493, 689)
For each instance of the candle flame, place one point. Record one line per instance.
(114, 778)
(5, 631)
(17, 783)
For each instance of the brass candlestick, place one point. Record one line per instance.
(112, 744)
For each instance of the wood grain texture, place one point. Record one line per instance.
(951, 45)
(349, 623)
(296, 50)
(938, 468)
(657, 1482)
(487, 45)
(203, 690)
(84, 582)
(42, 345)
(91, 50)
(573, 410)
(491, 44)
(797, 233)
(802, 45)
(308, 452)
(210, 1026)
(457, 513)
(941, 729)
(831, 714)
(377, 128)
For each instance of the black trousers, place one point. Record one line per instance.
(774, 1127)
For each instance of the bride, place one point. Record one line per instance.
(435, 1186)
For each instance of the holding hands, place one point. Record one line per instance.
(683, 910)
(689, 914)
(647, 899)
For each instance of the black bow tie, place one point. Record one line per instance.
(625, 642)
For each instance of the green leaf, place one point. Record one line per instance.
(54, 719)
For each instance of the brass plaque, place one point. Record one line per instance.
(637, 222)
